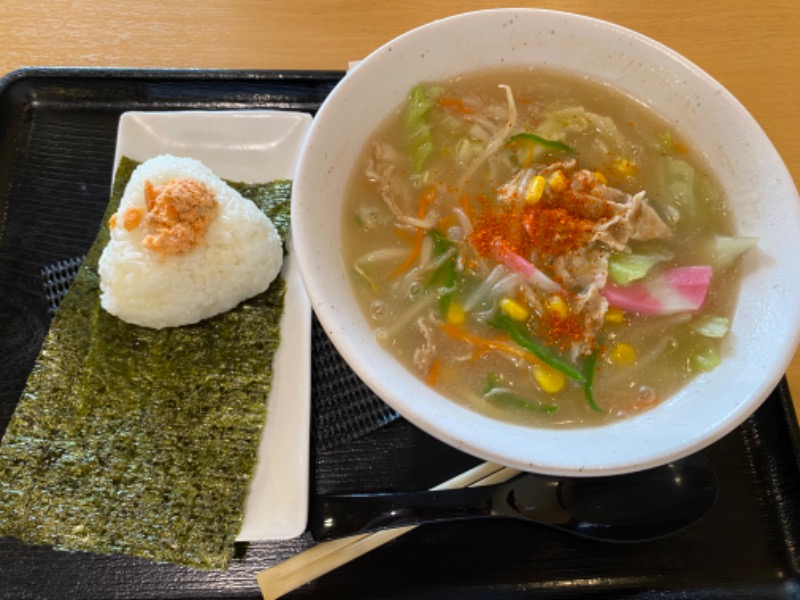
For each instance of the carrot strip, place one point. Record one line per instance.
(415, 250)
(426, 199)
(433, 371)
(405, 235)
(466, 206)
(486, 344)
(680, 148)
(447, 222)
(456, 104)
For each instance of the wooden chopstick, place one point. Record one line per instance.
(325, 557)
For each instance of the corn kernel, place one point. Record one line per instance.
(600, 178)
(456, 314)
(535, 189)
(557, 306)
(514, 309)
(550, 380)
(623, 168)
(615, 315)
(558, 181)
(623, 354)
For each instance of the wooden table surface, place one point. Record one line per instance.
(751, 48)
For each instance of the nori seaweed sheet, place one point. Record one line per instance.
(141, 441)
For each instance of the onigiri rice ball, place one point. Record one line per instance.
(237, 256)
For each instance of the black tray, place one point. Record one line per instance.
(57, 138)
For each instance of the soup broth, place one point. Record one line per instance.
(540, 248)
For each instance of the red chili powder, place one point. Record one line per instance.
(555, 231)
(559, 332)
(548, 230)
(493, 223)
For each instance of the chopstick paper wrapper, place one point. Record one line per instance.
(327, 556)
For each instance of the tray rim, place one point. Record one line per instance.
(179, 75)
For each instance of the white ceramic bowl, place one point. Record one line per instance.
(760, 190)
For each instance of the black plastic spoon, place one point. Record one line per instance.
(634, 507)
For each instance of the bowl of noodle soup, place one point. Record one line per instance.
(549, 241)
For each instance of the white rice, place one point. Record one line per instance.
(240, 256)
